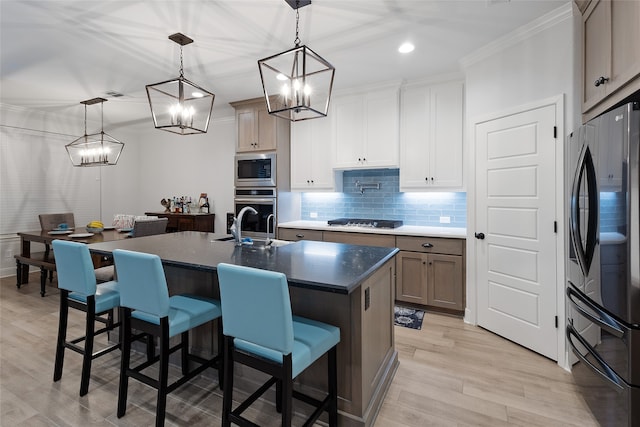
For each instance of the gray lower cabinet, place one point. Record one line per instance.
(430, 272)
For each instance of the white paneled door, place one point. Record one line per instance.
(515, 212)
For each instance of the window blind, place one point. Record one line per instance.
(36, 176)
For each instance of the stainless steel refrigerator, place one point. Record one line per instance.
(603, 272)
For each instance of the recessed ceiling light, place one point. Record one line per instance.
(406, 47)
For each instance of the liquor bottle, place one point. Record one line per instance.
(205, 206)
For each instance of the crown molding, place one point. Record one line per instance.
(534, 27)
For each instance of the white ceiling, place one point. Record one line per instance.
(56, 53)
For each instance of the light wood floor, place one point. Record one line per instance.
(450, 374)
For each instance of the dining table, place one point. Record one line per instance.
(44, 259)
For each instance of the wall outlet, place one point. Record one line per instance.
(313, 215)
(445, 220)
(9, 253)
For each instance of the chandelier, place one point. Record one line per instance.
(179, 105)
(297, 83)
(97, 149)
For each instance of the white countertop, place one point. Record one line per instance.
(405, 230)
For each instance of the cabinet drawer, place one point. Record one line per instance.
(430, 245)
(364, 239)
(294, 234)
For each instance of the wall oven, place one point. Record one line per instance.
(255, 170)
(263, 200)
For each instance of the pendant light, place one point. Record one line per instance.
(97, 149)
(178, 105)
(297, 83)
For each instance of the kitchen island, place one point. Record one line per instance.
(349, 286)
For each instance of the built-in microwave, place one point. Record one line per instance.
(255, 170)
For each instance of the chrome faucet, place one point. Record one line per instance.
(267, 242)
(236, 227)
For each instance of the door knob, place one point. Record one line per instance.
(480, 236)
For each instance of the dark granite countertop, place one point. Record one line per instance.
(332, 267)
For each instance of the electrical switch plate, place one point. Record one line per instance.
(313, 215)
(445, 220)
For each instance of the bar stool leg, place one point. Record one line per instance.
(163, 374)
(88, 345)
(221, 354)
(333, 388)
(125, 315)
(228, 381)
(184, 352)
(43, 281)
(287, 391)
(62, 334)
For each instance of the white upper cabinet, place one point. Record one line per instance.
(431, 154)
(366, 132)
(311, 156)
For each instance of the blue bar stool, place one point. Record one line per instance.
(260, 332)
(78, 290)
(146, 306)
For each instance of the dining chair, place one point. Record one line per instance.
(78, 290)
(149, 227)
(50, 222)
(261, 332)
(146, 306)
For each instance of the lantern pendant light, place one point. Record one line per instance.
(97, 149)
(297, 83)
(179, 105)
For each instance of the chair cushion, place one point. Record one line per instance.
(185, 312)
(105, 274)
(107, 296)
(312, 339)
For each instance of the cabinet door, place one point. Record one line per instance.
(625, 34)
(444, 281)
(446, 159)
(266, 128)
(596, 51)
(381, 141)
(611, 29)
(245, 120)
(301, 154)
(411, 277)
(311, 155)
(414, 143)
(348, 129)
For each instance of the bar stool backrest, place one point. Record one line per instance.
(50, 222)
(74, 267)
(256, 306)
(143, 285)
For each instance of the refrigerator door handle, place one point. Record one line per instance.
(606, 372)
(586, 170)
(604, 321)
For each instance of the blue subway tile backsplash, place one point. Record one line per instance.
(387, 202)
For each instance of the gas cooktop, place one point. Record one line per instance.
(373, 223)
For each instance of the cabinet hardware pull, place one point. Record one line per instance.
(427, 245)
(479, 236)
(299, 236)
(600, 81)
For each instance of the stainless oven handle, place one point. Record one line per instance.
(606, 372)
(605, 321)
(256, 200)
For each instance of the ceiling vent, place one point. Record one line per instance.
(113, 94)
